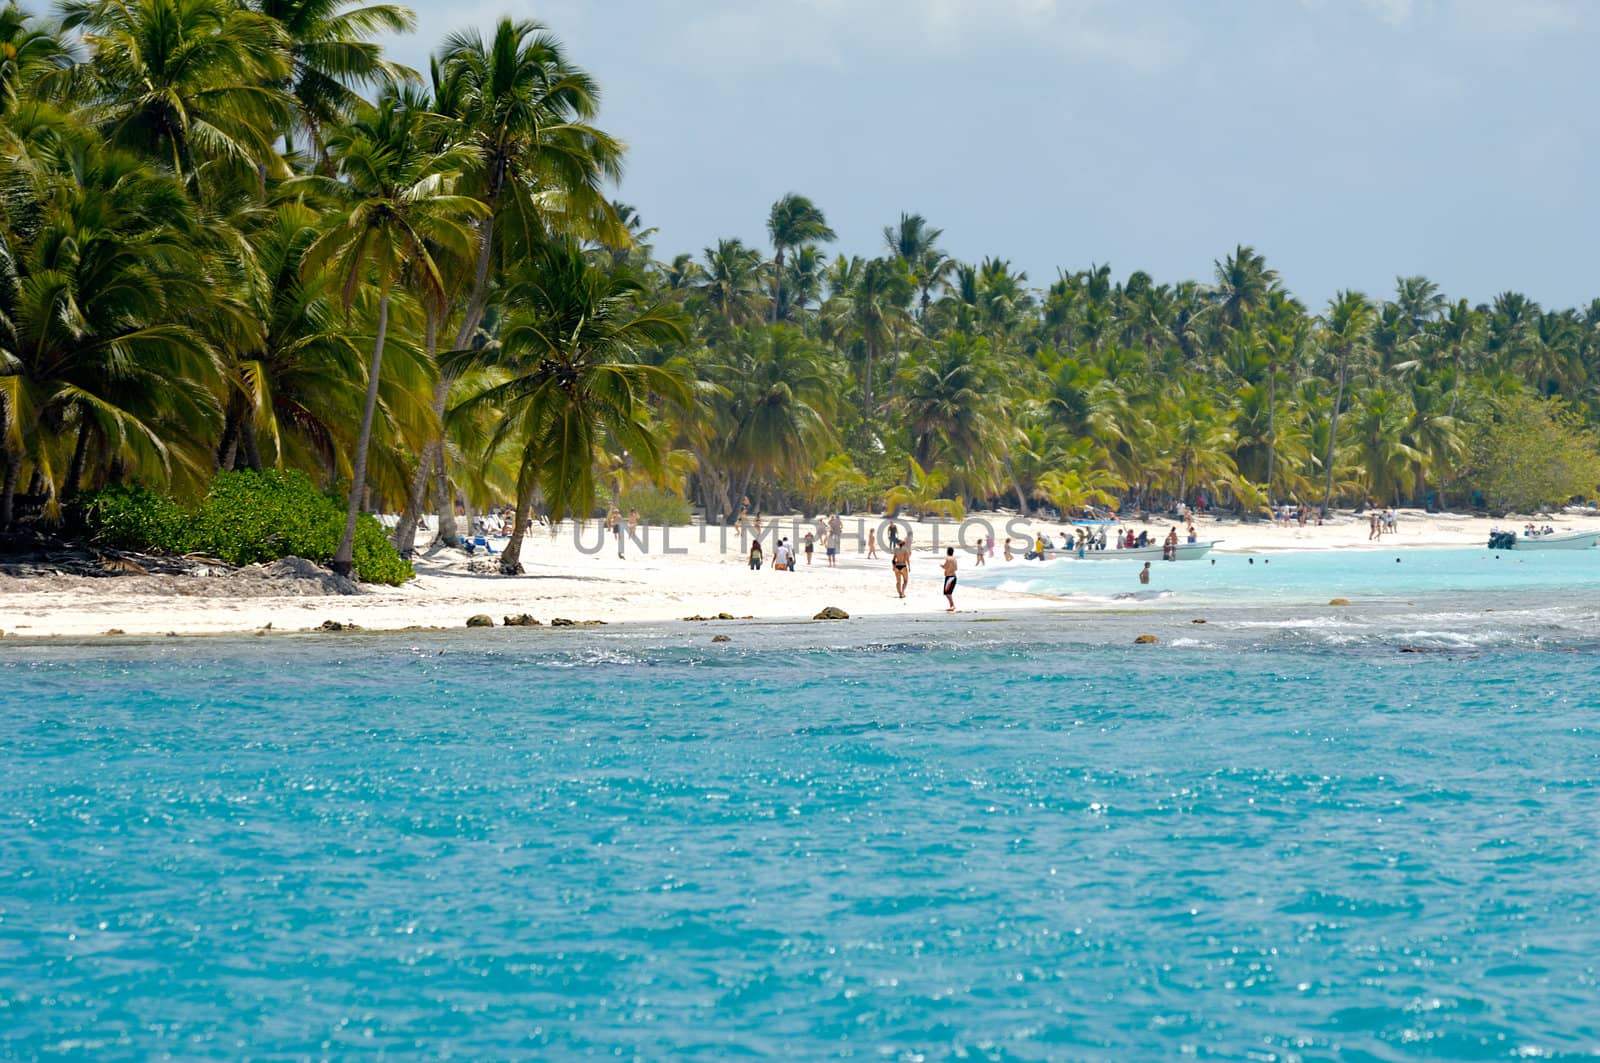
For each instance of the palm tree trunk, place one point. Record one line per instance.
(1272, 423)
(1333, 431)
(228, 449)
(252, 453)
(343, 557)
(866, 388)
(777, 282)
(405, 532)
(8, 488)
(511, 556)
(1022, 499)
(447, 533)
(80, 458)
(466, 507)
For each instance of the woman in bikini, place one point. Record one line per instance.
(902, 567)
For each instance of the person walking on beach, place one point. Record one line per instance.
(811, 546)
(950, 577)
(782, 557)
(902, 567)
(1008, 554)
(755, 556)
(614, 522)
(830, 543)
(872, 543)
(1144, 573)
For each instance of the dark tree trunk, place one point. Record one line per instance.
(511, 556)
(80, 459)
(228, 448)
(247, 441)
(8, 488)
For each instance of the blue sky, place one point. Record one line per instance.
(1347, 140)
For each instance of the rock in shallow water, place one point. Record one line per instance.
(832, 612)
(480, 620)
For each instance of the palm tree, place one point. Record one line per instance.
(98, 261)
(29, 50)
(949, 394)
(330, 53)
(1242, 284)
(292, 390)
(573, 375)
(1346, 332)
(794, 221)
(399, 206)
(923, 492)
(916, 244)
(187, 81)
(731, 289)
(778, 400)
(539, 167)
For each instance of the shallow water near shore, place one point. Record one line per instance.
(1283, 834)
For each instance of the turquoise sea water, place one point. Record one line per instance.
(1278, 835)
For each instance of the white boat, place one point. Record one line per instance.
(1153, 552)
(1560, 540)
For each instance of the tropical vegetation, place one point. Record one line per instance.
(234, 236)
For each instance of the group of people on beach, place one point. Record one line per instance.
(1291, 513)
(1382, 522)
(784, 556)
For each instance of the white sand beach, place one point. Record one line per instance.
(667, 575)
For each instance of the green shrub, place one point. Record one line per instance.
(137, 519)
(246, 518)
(375, 558)
(656, 507)
(251, 517)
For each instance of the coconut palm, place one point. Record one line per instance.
(189, 82)
(332, 54)
(950, 394)
(29, 50)
(97, 263)
(1241, 285)
(916, 244)
(573, 376)
(1346, 331)
(398, 204)
(793, 222)
(777, 399)
(290, 392)
(731, 287)
(923, 493)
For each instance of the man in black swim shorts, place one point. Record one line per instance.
(950, 577)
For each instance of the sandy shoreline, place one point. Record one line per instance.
(688, 572)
